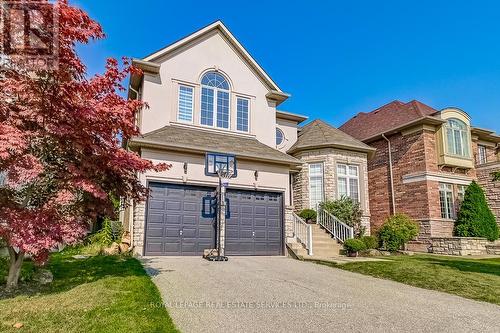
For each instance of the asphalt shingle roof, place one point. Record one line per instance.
(365, 125)
(203, 140)
(320, 134)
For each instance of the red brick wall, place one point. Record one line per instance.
(412, 153)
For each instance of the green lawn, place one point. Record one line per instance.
(478, 279)
(97, 294)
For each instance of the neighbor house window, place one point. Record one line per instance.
(457, 135)
(460, 196)
(185, 103)
(446, 200)
(316, 191)
(215, 162)
(280, 137)
(242, 107)
(481, 155)
(214, 100)
(348, 181)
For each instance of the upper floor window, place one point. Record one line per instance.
(457, 135)
(481, 155)
(280, 137)
(215, 100)
(185, 103)
(348, 181)
(242, 108)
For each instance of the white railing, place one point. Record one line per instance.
(334, 226)
(303, 233)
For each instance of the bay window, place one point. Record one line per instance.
(457, 137)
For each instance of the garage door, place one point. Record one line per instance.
(175, 225)
(254, 225)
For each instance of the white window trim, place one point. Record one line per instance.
(192, 103)
(322, 183)
(214, 107)
(447, 192)
(348, 177)
(236, 113)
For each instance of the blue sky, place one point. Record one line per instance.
(336, 58)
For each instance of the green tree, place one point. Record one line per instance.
(398, 230)
(475, 219)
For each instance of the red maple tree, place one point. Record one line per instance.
(61, 156)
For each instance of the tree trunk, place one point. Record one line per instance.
(16, 262)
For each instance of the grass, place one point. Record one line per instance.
(97, 294)
(478, 279)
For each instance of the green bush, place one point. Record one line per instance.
(354, 245)
(347, 211)
(397, 231)
(308, 214)
(105, 236)
(475, 219)
(371, 242)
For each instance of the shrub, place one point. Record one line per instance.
(347, 211)
(397, 231)
(371, 242)
(308, 214)
(105, 236)
(354, 245)
(475, 219)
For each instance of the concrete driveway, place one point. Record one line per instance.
(278, 294)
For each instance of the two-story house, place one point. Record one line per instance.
(211, 106)
(424, 160)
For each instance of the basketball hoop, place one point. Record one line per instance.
(225, 174)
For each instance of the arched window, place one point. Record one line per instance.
(457, 134)
(215, 100)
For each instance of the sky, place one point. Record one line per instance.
(336, 58)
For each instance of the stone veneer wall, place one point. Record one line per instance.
(330, 157)
(139, 227)
(462, 246)
(491, 188)
(288, 223)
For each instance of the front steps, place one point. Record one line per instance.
(324, 246)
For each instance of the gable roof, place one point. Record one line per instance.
(318, 134)
(178, 137)
(219, 25)
(389, 117)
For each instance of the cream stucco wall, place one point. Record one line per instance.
(187, 65)
(289, 129)
(271, 177)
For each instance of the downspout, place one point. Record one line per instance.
(391, 177)
(131, 216)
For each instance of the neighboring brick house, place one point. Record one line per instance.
(434, 156)
(335, 165)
